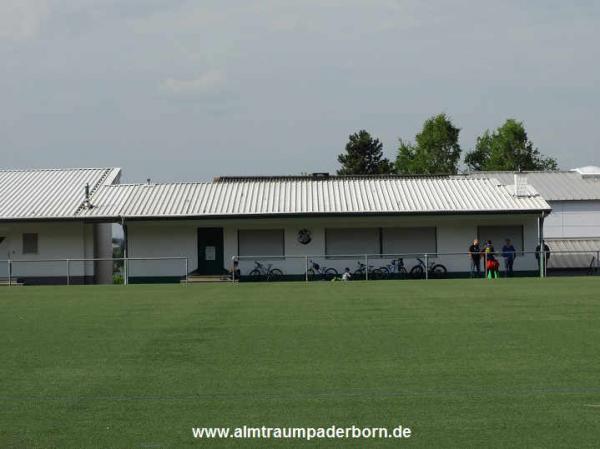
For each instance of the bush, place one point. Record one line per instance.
(117, 279)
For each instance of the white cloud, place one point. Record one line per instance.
(209, 82)
(22, 19)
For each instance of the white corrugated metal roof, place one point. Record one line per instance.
(572, 253)
(555, 186)
(588, 170)
(309, 196)
(48, 193)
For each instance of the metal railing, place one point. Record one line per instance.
(67, 272)
(411, 265)
(315, 267)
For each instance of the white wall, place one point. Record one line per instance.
(56, 240)
(573, 219)
(179, 238)
(162, 239)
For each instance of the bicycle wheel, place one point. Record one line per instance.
(330, 273)
(438, 271)
(256, 275)
(358, 275)
(275, 274)
(385, 272)
(417, 272)
(377, 274)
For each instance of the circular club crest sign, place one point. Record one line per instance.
(304, 236)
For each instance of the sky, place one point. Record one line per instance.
(182, 90)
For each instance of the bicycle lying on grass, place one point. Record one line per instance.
(263, 272)
(321, 272)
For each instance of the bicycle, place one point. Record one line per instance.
(434, 270)
(316, 271)
(373, 273)
(265, 272)
(395, 268)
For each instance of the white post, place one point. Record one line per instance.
(125, 252)
(542, 261)
(426, 266)
(125, 271)
(366, 267)
(186, 270)
(68, 273)
(542, 252)
(305, 268)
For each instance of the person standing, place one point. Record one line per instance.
(509, 253)
(475, 256)
(491, 264)
(546, 253)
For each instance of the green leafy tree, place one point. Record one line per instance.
(507, 149)
(436, 149)
(363, 156)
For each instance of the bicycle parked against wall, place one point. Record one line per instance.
(317, 271)
(435, 270)
(395, 269)
(263, 272)
(373, 273)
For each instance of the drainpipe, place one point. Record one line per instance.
(542, 253)
(125, 252)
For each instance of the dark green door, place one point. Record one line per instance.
(210, 250)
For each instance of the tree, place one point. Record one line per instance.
(436, 149)
(507, 149)
(363, 156)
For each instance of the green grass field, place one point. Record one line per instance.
(464, 363)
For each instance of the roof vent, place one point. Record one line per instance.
(521, 187)
(86, 202)
(320, 175)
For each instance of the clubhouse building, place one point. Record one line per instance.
(47, 216)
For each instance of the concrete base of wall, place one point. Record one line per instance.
(573, 271)
(453, 275)
(302, 278)
(90, 280)
(56, 280)
(156, 279)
